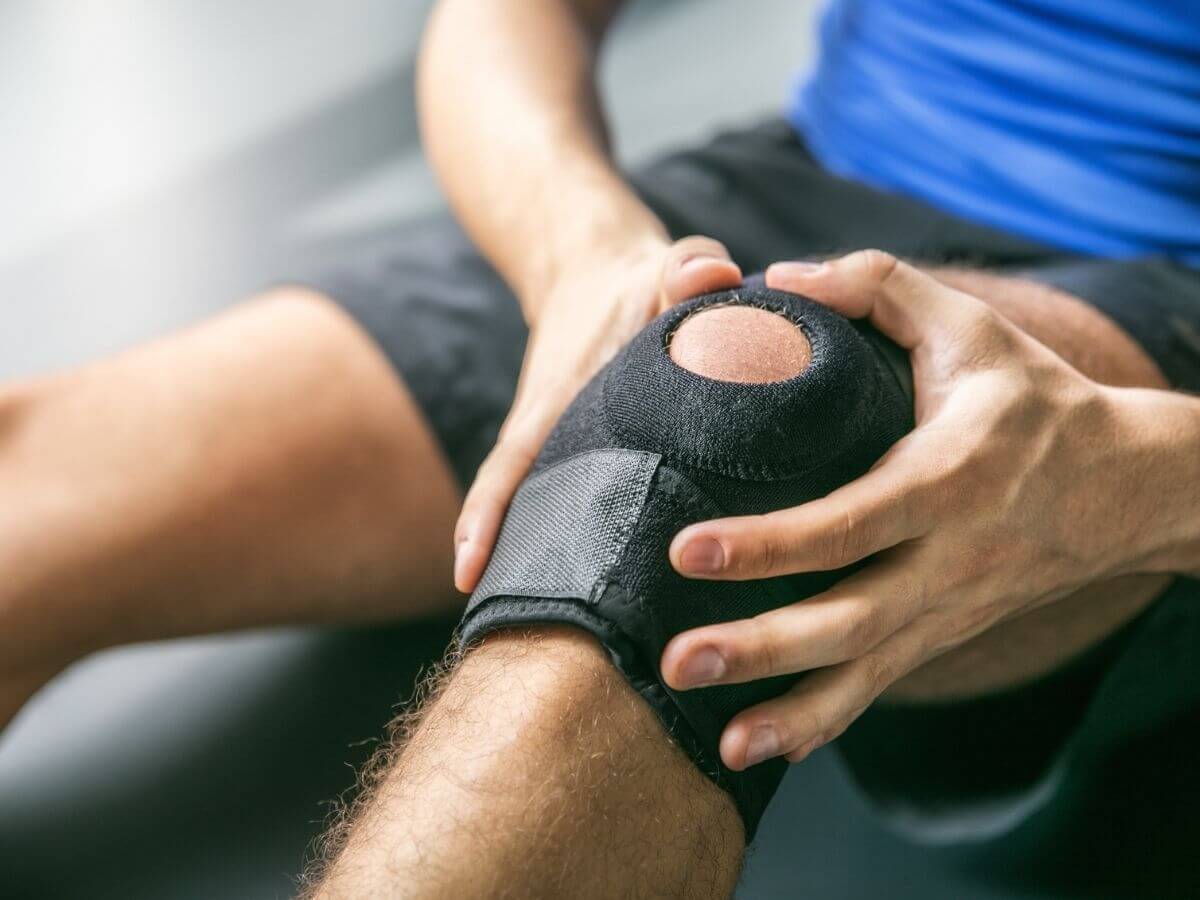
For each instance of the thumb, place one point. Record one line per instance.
(904, 303)
(696, 265)
(496, 482)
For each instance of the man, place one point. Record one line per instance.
(289, 435)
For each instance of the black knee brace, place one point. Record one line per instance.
(649, 447)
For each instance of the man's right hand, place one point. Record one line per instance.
(583, 320)
(518, 140)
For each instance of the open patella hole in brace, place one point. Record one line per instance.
(739, 343)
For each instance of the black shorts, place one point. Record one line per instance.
(455, 335)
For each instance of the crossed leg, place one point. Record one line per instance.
(269, 467)
(535, 771)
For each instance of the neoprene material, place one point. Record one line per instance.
(649, 447)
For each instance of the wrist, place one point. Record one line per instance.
(1162, 428)
(601, 227)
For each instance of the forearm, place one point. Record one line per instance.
(512, 125)
(538, 772)
(1166, 428)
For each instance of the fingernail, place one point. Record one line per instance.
(702, 667)
(702, 556)
(796, 269)
(763, 745)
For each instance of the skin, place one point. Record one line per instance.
(538, 772)
(519, 144)
(269, 508)
(272, 470)
(535, 759)
(1000, 503)
(537, 821)
(589, 219)
(733, 343)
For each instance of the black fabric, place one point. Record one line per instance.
(649, 447)
(949, 748)
(446, 323)
(456, 337)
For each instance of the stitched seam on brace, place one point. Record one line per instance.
(734, 469)
(532, 575)
(645, 475)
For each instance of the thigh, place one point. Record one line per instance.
(448, 325)
(262, 467)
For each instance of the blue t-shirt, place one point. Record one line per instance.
(1073, 122)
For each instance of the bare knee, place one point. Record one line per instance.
(741, 343)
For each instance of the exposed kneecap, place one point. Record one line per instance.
(743, 344)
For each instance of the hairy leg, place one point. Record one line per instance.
(264, 467)
(1039, 641)
(509, 785)
(536, 771)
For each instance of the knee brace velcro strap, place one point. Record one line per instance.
(649, 447)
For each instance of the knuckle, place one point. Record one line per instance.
(830, 546)
(985, 340)
(762, 654)
(857, 534)
(838, 730)
(772, 556)
(757, 551)
(811, 725)
(878, 266)
(798, 726)
(878, 672)
(861, 628)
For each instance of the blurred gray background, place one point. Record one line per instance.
(160, 160)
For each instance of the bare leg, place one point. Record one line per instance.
(538, 772)
(1039, 641)
(263, 467)
(510, 786)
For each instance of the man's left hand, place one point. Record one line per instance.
(1018, 485)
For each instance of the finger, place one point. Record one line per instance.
(901, 301)
(696, 265)
(820, 706)
(487, 500)
(846, 621)
(890, 504)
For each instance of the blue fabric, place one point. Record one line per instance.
(1072, 122)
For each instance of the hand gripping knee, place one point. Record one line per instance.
(649, 447)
